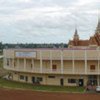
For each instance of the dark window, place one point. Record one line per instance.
(31, 66)
(26, 78)
(33, 79)
(54, 67)
(92, 67)
(39, 79)
(21, 77)
(92, 77)
(51, 76)
(15, 73)
(71, 80)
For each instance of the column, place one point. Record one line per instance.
(24, 64)
(33, 67)
(85, 62)
(73, 62)
(62, 66)
(98, 80)
(40, 61)
(12, 64)
(98, 61)
(51, 61)
(18, 67)
(4, 60)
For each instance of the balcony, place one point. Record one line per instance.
(93, 71)
(57, 71)
(71, 58)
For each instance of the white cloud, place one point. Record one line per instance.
(47, 18)
(24, 1)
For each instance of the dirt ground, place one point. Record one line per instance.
(6, 94)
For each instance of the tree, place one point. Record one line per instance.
(1, 46)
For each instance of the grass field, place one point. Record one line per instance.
(16, 85)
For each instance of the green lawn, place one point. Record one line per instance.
(16, 85)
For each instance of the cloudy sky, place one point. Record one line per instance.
(46, 21)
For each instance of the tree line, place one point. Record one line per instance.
(32, 45)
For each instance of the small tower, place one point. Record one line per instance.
(76, 36)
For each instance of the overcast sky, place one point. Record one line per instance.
(47, 21)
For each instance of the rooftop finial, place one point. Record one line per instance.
(98, 26)
(76, 32)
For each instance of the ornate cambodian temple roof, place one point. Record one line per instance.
(93, 40)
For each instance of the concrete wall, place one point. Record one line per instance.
(50, 81)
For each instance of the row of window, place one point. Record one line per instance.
(22, 77)
(69, 80)
(39, 79)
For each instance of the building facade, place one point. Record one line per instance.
(77, 65)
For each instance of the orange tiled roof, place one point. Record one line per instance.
(83, 42)
(79, 43)
(93, 41)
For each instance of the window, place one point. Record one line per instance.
(21, 77)
(39, 79)
(26, 78)
(15, 72)
(92, 67)
(51, 76)
(54, 67)
(71, 80)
